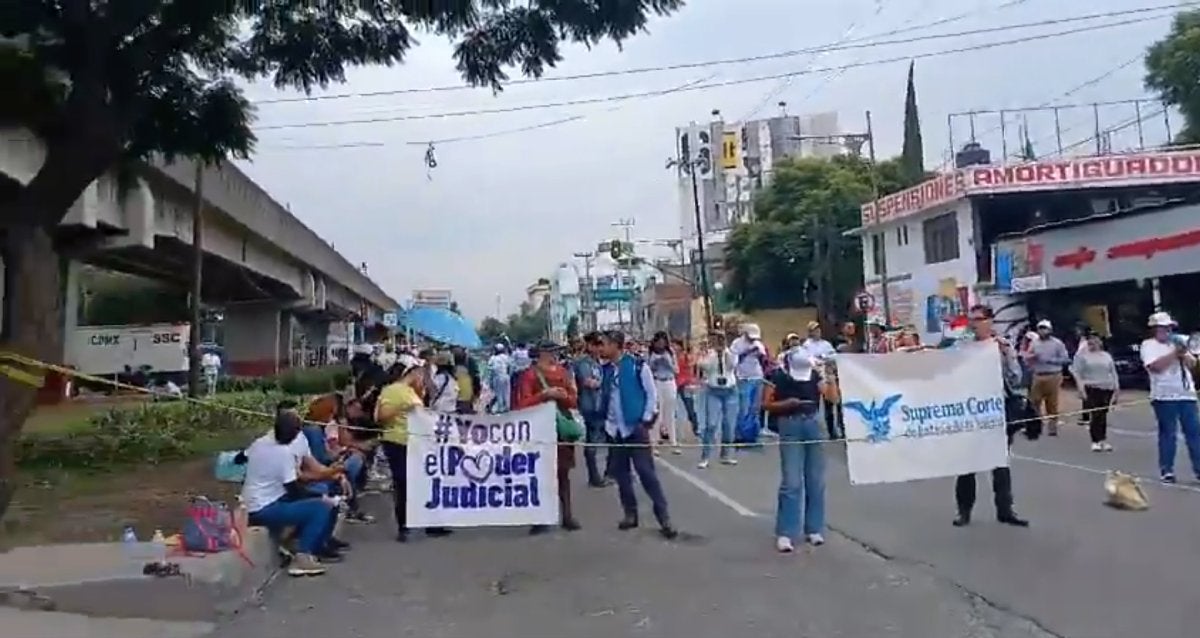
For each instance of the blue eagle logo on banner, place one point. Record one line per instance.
(877, 416)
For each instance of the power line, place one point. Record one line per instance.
(467, 138)
(733, 82)
(860, 43)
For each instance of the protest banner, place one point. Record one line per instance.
(478, 470)
(922, 415)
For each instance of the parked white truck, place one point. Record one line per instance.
(160, 349)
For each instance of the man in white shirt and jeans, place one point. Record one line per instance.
(1172, 393)
(751, 354)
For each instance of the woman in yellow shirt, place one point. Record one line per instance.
(397, 400)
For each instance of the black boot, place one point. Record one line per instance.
(629, 522)
(963, 519)
(1009, 517)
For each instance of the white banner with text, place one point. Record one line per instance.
(476, 470)
(921, 415)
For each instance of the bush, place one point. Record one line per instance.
(292, 381)
(151, 433)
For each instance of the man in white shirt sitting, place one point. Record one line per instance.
(275, 498)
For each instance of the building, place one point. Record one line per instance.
(665, 307)
(737, 160)
(564, 301)
(537, 293)
(1098, 240)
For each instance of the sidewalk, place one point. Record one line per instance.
(94, 588)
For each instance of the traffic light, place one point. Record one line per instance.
(616, 251)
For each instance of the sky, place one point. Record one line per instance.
(498, 213)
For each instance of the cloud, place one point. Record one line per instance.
(498, 213)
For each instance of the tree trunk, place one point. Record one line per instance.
(32, 328)
(197, 283)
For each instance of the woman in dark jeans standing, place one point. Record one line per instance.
(397, 400)
(1096, 378)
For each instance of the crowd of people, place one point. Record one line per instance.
(636, 400)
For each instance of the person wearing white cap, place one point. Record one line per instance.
(751, 355)
(823, 351)
(1172, 393)
(1047, 355)
(793, 396)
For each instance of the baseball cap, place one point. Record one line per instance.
(814, 325)
(543, 346)
(752, 330)
(791, 335)
(1045, 324)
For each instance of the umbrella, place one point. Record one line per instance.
(442, 325)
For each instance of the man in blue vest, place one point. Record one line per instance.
(629, 402)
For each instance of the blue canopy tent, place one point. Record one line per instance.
(442, 325)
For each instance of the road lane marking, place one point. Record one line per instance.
(709, 489)
(1103, 472)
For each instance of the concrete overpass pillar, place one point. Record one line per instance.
(255, 335)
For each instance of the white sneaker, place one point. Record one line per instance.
(1107, 446)
(816, 539)
(657, 453)
(784, 545)
(676, 451)
(1097, 447)
(702, 465)
(729, 461)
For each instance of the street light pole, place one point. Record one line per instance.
(627, 225)
(690, 165)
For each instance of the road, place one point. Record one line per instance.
(894, 566)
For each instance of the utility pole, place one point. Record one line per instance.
(883, 270)
(690, 165)
(626, 224)
(853, 142)
(197, 281)
(588, 294)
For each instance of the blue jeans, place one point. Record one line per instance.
(595, 438)
(639, 456)
(316, 443)
(802, 476)
(687, 400)
(749, 419)
(720, 416)
(1173, 416)
(502, 389)
(313, 519)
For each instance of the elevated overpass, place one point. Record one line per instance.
(275, 278)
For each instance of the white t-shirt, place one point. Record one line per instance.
(1173, 384)
(749, 353)
(819, 348)
(210, 361)
(712, 373)
(299, 448)
(386, 359)
(269, 466)
(445, 397)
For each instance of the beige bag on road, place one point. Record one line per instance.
(1123, 492)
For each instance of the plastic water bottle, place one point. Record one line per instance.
(158, 544)
(129, 544)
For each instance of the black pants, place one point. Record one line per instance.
(1097, 401)
(832, 413)
(964, 490)
(397, 459)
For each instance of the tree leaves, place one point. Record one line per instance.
(795, 253)
(1173, 70)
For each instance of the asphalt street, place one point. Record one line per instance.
(894, 566)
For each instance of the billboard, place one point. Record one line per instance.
(432, 298)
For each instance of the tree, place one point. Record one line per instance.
(912, 157)
(111, 82)
(492, 330)
(794, 253)
(1171, 65)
